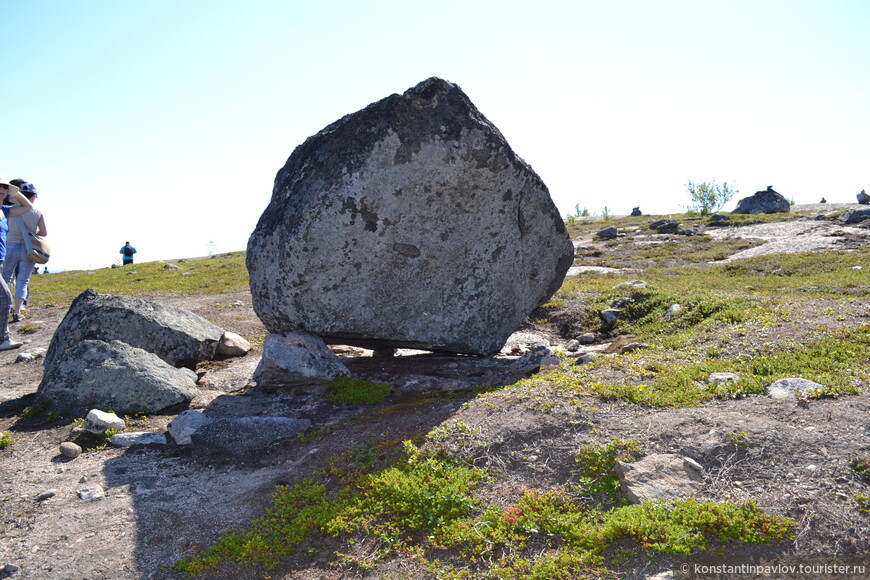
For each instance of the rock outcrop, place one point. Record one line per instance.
(410, 224)
(766, 201)
(855, 216)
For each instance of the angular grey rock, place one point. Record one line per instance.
(659, 477)
(176, 335)
(93, 493)
(609, 233)
(722, 378)
(854, 216)
(767, 201)
(672, 312)
(48, 494)
(636, 212)
(409, 224)
(790, 388)
(632, 346)
(521, 342)
(185, 424)
(586, 338)
(609, 316)
(863, 198)
(114, 375)
(717, 219)
(532, 361)
(231, 378)
(633, 284)
(231, 344)
(138, 438)
(243, 436)
(98, 421)
(665, 226)
(70, 449)
(293, 359)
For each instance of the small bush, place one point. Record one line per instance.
(6, 439)
(597, 469)
(708, 197)
(861, 466)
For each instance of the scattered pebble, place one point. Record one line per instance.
(46, 495)
(70, 449)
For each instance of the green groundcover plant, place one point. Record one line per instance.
(429, 506)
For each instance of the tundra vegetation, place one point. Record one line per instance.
(432, 502)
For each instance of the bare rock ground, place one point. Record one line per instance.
(162, 502)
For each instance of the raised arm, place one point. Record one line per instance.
(23, 206)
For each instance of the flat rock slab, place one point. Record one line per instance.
(409, 224)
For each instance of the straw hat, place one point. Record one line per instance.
(13, 189)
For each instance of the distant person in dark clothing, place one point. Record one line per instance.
(127, 251)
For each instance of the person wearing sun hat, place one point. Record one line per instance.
(12, 194)
(17, 263)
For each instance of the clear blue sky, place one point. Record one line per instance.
(163, 122)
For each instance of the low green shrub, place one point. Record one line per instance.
(6, 439)
(352, 391)
(597, 467)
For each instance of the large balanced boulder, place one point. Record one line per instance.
(410, 223)
(766, 201)
(176, 335)
(114, 375)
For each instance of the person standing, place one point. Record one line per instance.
(9, 194)
(16, 250)
(127, 251)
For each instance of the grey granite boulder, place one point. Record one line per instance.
(408, 224)
(767, 201)
(608, 233)
(114, 375)
(863, 198)
(176, 335)
(855, 216)
(792, 387)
